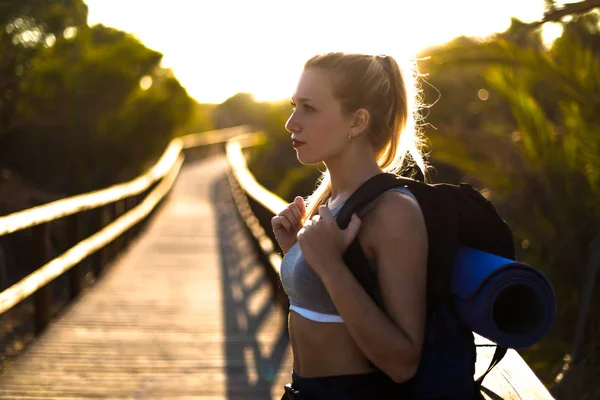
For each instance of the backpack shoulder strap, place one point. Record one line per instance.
(439, 205)
(354, 256)
(367, 192)
(441, 220)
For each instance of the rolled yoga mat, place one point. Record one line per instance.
(508, 302)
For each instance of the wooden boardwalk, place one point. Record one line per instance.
(186, 313)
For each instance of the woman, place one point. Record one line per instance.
(353, 113)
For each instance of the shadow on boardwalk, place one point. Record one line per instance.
(255, 329)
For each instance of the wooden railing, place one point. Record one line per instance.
(511, 379)
(256, 205)
(118, 213)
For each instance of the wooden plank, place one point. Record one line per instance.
(248, 182)
(59, 265)
(72, 205)
(184, 313)
(213, 137)
(511, 378)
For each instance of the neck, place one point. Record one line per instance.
(349, 170)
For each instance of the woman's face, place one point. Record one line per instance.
(319, 128)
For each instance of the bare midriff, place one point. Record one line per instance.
(324, 349)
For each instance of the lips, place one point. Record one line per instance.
(297, 143)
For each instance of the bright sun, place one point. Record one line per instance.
(220, 48)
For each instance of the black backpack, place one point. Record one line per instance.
(454, 215)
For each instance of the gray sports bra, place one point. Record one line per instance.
(307, 294)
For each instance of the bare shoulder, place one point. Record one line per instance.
(397, 241)
(395, 215)
(394, 210)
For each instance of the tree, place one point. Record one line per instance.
(29, 26)
(553, 99)
(83, 119)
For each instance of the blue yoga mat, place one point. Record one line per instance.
(508, 302)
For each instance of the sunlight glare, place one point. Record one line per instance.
(221, 48)
(550, 32)
(50, 40)
(70, 32)
(483, 94)
(146, 82)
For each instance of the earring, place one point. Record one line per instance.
(350, 137)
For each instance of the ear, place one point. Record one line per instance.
(360, 122)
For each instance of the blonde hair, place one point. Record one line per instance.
(376, 83)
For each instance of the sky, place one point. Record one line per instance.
(222, 47)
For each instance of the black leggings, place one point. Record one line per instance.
(371, 386)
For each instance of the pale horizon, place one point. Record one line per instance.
(221, 48)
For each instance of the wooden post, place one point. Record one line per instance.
(138, 200)
(75, 234)
(102, 256)
(42, 299)
(130, 204)
(119, 207)
(3, 270)
(96, 226)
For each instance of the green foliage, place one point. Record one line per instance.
(520, 121)
(200, 119)
(27, 28)
(553, 173)
(78, 117)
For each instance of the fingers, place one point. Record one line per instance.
(296, 210)
(299, 201)
(312, 221)
(291, 217)
(279, 221)
(325, 213)
(301, 233)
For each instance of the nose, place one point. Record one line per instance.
(292, 124)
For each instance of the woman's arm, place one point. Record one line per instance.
(395, 234)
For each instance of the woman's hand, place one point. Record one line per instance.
(322, 242)
(287, 223)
